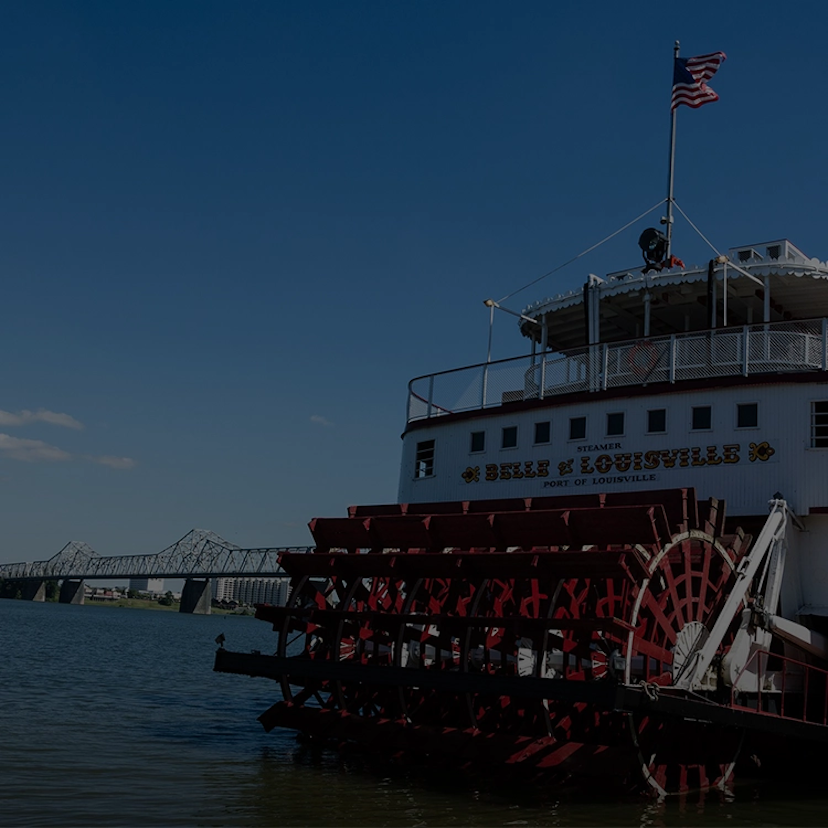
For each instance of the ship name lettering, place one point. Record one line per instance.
(623, 461)
(669, 457)
(603, 463)
(652, 459)
(730, 453)
(600, 447)
(624, 478)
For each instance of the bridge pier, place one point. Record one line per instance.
(196, 597)
(34, 590)
(71, 592)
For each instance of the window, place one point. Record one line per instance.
(747, 415)
(424, 464)
(509, 437)
(543, 432)
(615, 424)
(702, 418)
(478, 441)
(819, 425)
(657, 421)
(577, 428)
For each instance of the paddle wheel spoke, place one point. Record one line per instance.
(298, 633)
(361, 640)
(704, 581)
(427, 645)
(507, 648)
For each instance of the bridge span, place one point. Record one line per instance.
(200, 554)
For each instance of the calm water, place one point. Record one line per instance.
(114, 717)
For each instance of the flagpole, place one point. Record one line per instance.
(669, 219)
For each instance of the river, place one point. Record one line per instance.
(114, 716)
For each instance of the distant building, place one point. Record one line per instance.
(103, 593)
(251, 590)
(151, 585)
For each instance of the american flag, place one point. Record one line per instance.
(690, 76)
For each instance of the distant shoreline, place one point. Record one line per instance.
(139, 603)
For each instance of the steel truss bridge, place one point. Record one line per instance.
(199, 554)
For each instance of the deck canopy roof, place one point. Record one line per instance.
(631, 305)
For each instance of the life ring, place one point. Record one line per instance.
(643, 358)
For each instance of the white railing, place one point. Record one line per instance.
(794, 346)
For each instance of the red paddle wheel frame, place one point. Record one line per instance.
(498, 631)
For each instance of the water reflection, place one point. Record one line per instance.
(115, 717)
(296, 784)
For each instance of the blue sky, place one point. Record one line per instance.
(232, 232)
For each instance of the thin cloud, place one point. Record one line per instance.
(36, 451)
(320, 420)
(31, 451)
(114, 462)
(42, 415)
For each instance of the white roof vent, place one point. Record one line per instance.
(748, 254)
(780, 250)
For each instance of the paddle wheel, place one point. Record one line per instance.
(568, 636)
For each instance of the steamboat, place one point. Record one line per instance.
(606, 559)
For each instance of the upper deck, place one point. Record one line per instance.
(763, 311)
